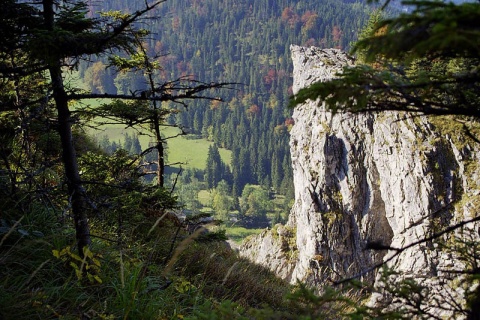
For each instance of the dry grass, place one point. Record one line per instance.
(224, 275)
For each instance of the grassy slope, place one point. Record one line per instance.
(191, 153)
(133, 282)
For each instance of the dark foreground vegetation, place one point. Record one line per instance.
(132, 276)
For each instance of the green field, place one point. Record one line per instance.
(190, 152)
(182, 150)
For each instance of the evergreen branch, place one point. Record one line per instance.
(188, 93)
(10, 72)
(364, 89)
(124, 25)
(109, 185)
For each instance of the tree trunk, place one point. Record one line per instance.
(160, 151)
(156, 123)
(75, 189)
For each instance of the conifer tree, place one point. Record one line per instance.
(215, 167)
(425, 61)
(53, 36)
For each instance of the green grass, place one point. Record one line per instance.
(182, 151)
(38, 285)
(238, 234)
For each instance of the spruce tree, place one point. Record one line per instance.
(408, 64)
(53, 36)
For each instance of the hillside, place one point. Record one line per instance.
(87, 233)
(245, 42)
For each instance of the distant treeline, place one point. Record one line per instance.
(246, 42)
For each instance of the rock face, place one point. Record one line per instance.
(386, 179)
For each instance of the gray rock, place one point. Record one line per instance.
(381, 179)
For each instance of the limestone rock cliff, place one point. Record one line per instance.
(384, 178)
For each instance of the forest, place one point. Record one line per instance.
(246, 43)
(96, 228)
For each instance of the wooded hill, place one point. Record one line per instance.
(246, 42)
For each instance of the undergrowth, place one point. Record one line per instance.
(150, 269)
(141, 277)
